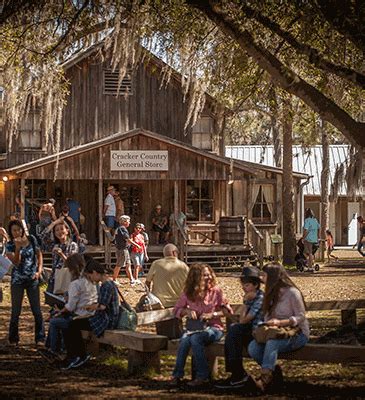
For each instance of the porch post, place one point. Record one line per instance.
(22, 198)
(100, 198)
(175, 231)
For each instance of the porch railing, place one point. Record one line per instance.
(259, 238)
(182, 239)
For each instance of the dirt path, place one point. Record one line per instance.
(25, 375)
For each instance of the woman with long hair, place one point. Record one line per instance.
(283, 306)
(203, 304)
(23, 251)
(63, 246)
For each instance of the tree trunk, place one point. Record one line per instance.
(289, 242)
(324, 183)
(273, 105)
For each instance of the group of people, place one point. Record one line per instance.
(195, 295)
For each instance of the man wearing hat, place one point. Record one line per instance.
(240, 334)
(160, 225)
(110, 209)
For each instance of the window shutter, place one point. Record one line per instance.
(111, 79)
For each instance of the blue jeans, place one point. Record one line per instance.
(55, 332)
(197, 342)
(238, 337)
(266, 354)
(17, 294)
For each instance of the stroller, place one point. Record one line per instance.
(300, 259)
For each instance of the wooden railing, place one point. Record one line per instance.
(260, 240)
(182, 239)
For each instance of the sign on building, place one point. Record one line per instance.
(139, 160)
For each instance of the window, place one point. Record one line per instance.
(199, 201)
(29, 133)
(202, 133)
(263, 206)
(111, 79)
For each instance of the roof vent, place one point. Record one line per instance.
(111, 79)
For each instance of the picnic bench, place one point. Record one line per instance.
(144, 348)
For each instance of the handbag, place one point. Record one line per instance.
(263, 332)
(127, 318)
(149, 302)
(5, 266)
(62, 280)
(194, 325)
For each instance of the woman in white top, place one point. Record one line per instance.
(283, 306)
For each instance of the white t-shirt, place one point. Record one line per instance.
(81, 293)
(112, 210)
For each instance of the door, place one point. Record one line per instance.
(353, 210)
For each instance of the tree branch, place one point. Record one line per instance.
(282, 75)
(312, 54)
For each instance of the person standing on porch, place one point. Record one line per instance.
(110, 210)
(310, 235)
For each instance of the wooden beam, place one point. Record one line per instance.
(100, 197)
(22, 198)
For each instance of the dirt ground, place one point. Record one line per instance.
(24, 374)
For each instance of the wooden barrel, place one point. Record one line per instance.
(232, 229)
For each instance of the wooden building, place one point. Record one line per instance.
(137, 143)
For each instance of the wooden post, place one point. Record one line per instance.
(22, 198)
(100, 197)
(175, 230)
(348, 317)
(139, 361)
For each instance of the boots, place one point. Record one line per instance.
(265, 381)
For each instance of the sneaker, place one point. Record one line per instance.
(231, 383)
(198, 382)
(138, 282)
(70, 363)
(81, 361)
(175, 382)
(132, 283)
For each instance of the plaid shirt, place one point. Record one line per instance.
(254, 307)
(108, 318)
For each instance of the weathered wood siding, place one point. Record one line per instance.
(183, 164)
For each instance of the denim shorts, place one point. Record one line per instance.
(137, 259)
(109, 221)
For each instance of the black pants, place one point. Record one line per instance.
(74, 343)
(238, 336)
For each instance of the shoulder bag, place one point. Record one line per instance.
(263, 332)
(127, 318)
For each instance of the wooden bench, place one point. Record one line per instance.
(144, 348)
(207, 231)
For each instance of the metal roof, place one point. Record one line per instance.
(305, 159)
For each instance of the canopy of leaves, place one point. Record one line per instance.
(232, 49)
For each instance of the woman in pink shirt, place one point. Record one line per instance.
(203, 304)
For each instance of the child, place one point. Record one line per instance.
(138, 254)
(329, 245)
(106, 316)
(122, 242)
(82, 292)
(240, 334)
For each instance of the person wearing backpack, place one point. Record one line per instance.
(23, 251)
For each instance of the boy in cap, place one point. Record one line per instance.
(240, 334)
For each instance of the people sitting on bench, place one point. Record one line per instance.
(283, 306)
(203, 304)
(81, 292)
(160, 225)
(105, 317)
(240, 334)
